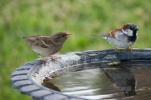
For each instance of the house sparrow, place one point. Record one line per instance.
(123, 37)
(47, 45)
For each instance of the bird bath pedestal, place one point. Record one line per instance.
(29, 77)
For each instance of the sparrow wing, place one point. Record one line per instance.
(46, 42)
(43, 44)
(49, 41)
(112, 34)
(115, 32)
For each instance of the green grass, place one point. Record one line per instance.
(83, 18)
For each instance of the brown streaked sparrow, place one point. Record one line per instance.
(122, 38)
(47, 45)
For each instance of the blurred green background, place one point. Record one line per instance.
(82, 18)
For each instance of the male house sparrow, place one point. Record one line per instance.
(123, 37)
(47, 45)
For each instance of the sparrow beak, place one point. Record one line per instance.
(68, 34)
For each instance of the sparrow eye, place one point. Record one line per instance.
(133, 27)
(62, 36)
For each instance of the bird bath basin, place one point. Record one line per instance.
(106, 74)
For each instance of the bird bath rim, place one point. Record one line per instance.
(28, 78)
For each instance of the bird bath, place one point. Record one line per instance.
(105, 74)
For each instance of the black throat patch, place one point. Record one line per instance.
(132, 38)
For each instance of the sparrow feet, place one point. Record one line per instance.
(123, 50)
(119, 49)
(54, 57)
(129, 49)
(43, 60)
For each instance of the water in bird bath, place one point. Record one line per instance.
(117, 82)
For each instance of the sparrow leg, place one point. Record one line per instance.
(116, 49)
(119, 49)
(43, 60)
(129, 49)
(49, 58)
(54, 57)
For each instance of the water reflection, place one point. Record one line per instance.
(47, 83)
(118, 82)
(123, 79)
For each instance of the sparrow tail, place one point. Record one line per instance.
(104, 35)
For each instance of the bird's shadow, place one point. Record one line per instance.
(122, 78)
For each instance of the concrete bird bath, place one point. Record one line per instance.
(28, 78)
